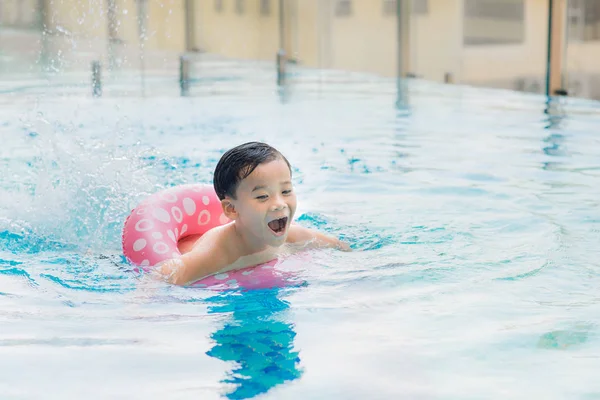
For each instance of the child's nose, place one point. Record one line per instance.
(278, 204)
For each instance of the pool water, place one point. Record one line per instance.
(473, 214)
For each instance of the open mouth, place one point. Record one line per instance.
(278, 225)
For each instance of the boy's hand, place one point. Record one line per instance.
(299, 234)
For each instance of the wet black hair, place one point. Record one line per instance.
(239, 162)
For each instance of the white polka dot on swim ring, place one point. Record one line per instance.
(223, 219)
(247, 272)
(203, 217)
(197, 188)
(231, 282)
(189, 206)
(171, 234)
(162, 215)
(144, 225)
(267, 267)
(157, 235)
(160, 248)
(221, 277)
(177, 214)
(205, 200)
(169, 197)
(145, 263)
(139, 244)
(184, 229)
(141, 211)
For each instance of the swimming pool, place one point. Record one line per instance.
(473, 212)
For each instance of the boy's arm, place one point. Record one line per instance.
(299, 234)
(192, 266)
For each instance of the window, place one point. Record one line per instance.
(219, 5)
(25, 14)
(113, 22)
(493, 22)
(239, 6)
(265, 7)
(584, 20)
(419, 7)
(389, 7)
(343, 8)
(495, 9)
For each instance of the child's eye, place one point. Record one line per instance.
(263, 197)
(286, 192)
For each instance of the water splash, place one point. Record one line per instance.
(74, 190)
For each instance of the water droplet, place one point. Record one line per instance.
(125, 11)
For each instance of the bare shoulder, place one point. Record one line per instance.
(301, 235)
(211, 253)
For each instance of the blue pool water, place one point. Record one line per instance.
(473, 214)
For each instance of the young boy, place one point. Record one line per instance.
(254, 183)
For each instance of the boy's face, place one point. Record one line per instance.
(266, 203)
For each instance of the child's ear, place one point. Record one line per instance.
(228, 208)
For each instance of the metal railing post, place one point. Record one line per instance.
(281, 67)
(184, 75)
(96, 78)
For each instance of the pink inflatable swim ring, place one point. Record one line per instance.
(153, 229)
